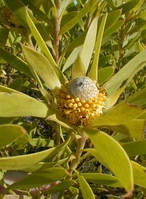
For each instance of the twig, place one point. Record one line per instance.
(56, 32)
(80, 147)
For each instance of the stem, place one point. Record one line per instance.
(80, 147)
(56, 32)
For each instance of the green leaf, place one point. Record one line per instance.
(123, 118)
(71, 59)
(19, 10)
(78, 41)
(112, 29)
(110, 153)
(89, 43)
(39, 178)
(135, 148)
(78, 69)
(54, 118)
(60, 148)
(100, 178)
(143, 115)
(11, 132)
(129, 6)
(39, 13)
(40, 40)
(63, 7)
(139, 174)
(117, 115)
(16, 104)
(112, 24)
(42, 67)
(138, 98)
(93, 73)
(123, 77)
(61, 187)
(3, 36)
(15, 62)
(112, 18)
(37, 3)
(104, 74)
(23, 162)
(86, 190)
(87, 7)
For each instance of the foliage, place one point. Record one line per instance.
(43, 45)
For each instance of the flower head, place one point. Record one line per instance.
(80, 101)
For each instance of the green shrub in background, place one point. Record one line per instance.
(44, 45)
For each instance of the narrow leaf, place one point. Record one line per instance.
(78, 69)
(23, 162)
(104, 74)
(42, 67)
(19, 10)
(71, 59)
(112, 29)
(63, 7)
(87, 7)
(139, 98)
(86, 190)
(93, 73)
(40, 40)
(139, 174)
(11, 132)
(126, 73)
(39, 178)
(100, 178)
(135, 148)
(15, 62)
(89, 43)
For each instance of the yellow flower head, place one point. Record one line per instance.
(80, 101)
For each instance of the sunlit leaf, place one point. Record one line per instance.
(100, 178)
(118, 162)
(86, 190)
(39, 178)
(89, 43)
(63, 7)
(40, 40)
(22, 162)
(71, 59)
(87, 7)
(78, 69)
(139, 174)
(117, 120)
(93, 73)
(16, 104)
(42, 67)
(126, 73)
(11, 132)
